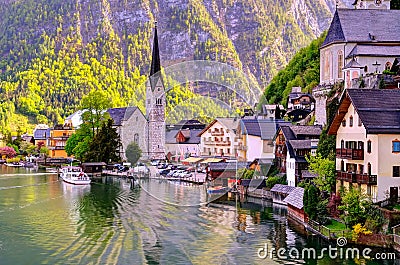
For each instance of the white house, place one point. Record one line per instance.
(367, 129)
(219, 138)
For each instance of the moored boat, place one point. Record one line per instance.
(217, 190)
(74, 175)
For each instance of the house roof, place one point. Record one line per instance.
(192, 136)
(121, 114)
(378, 109)
(364, 25)
(228, 123)
(226, 166)
(306, 130)
(301, 144)
(280, 188)
(263, 128)
(40, 134)
(353, 64)
(375, 50)
(295, 198)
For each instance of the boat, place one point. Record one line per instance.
(51, 170)
(217, 190)
(74, 175)
(14, 164)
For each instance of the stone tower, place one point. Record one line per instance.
(155, 106)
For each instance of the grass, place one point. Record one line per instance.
(335, 225)
(397, 207)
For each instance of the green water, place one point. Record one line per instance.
(46, 221)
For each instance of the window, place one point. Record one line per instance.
(344, 123)
(159, 101)
(396, 146)
(136, 138)
(396, 171)
(342, 144)
(359, 122)
(228, 151)
(340, 64)
(342, 165)
(369, 145)
(351, 121)
(369, 169)
(388, 65)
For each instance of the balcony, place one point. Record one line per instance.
(56, 147)
(223, 143)
(353, 154)
(217, 133)
(60, 138)
(357, 178)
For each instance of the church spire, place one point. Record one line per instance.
(155, 58)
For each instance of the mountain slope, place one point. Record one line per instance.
(52, 52)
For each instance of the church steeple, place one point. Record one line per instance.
(155, 57)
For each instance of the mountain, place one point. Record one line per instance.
(53, 52)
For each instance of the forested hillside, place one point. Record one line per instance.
(53, 52)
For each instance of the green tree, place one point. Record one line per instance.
(325, 170)
(133, 153)
(355, 206)
(45, 152)
(326, 145)
(27, 148)
(105, 146)
(95, 104)
(78, 143)
(310, 201)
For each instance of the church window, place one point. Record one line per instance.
(365, 68)
(340, 64)
(388, 65)
(136, 138)
(159, 101)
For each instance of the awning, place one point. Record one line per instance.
(192, 159)
(212, 160)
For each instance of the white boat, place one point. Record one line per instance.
(74, 175)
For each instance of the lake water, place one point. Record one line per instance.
(46, 221)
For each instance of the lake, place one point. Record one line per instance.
(46, 221)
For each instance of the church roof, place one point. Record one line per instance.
(353, 64)
(364, 25)
(155, 68)
(375, 50)
(121, 114)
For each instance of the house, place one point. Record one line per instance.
(255, 139)
(75, 119)
(280, 192)
(219, 138)
(299, 100)
(131, 126)
(224, 173)
(40, 134)
(181, 144)
(360, 42)
(292, 144)
(367, 129)
(57, 138)
(270, 112)
(295, 205)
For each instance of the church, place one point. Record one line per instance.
(148, 131)
(360, 42)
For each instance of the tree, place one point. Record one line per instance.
(7, 151)
(133, 153)
(95, 103)
(326, 145)
(325, 170)
(105, 146)
(27, 148)
(355, 205)
(78, 143)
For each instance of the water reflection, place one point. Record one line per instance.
(46, 221)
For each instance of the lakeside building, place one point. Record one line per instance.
(292, 144)
(367, 129)
(57, 138)
(219, 138)
(182, 140)
(360, 42)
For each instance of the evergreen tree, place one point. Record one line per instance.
(105, 146)
(133, 153)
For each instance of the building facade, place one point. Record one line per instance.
(57, 139)
(367, 129)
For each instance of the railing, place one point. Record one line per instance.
(214, 133)
(353, 154)
(56, 147)
(327, 232)
(59, 138)
(357, 178)
(223, 143)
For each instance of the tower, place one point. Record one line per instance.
(155, 106)
(372, 4)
